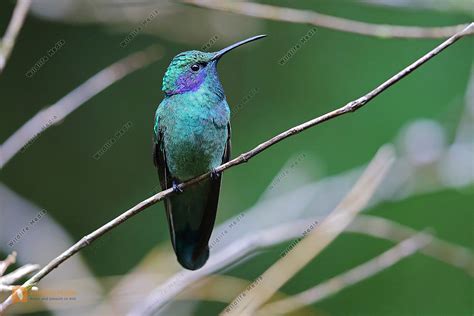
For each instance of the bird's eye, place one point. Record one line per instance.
(195, 67)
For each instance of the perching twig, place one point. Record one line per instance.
(276, 13)
(350, 107)
(8, 41)
(74, 99)
(266, 285)
(355, 275)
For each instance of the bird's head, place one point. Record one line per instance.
(189, 70)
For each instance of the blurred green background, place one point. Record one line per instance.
(57, 172)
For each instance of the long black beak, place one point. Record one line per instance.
(220, 53)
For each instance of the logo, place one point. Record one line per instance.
(19, 294)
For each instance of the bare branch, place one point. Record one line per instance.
(8, 41)
(74, 99)
(355, 275)
(349, 107)
(276, 13)
(442, 250)
(19, 273)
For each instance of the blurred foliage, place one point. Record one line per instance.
(59, 174)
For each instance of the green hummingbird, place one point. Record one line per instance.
(192, 137)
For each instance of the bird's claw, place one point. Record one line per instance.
(176, 188)
(215, 174)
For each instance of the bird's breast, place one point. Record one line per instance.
(194, 142)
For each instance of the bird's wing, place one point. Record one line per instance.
(159, 155)
(228, 145)
(159, 159)
(166, 181)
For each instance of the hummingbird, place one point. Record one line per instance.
(191, 136)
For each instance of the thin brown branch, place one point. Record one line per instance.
(442, 250)
(74, 99)
(349, 107)
(8, 41)
(275, 13)
(355, 275)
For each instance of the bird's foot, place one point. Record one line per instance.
(215, 174)
(176, 188)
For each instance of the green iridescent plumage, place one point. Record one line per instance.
(192, 137)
